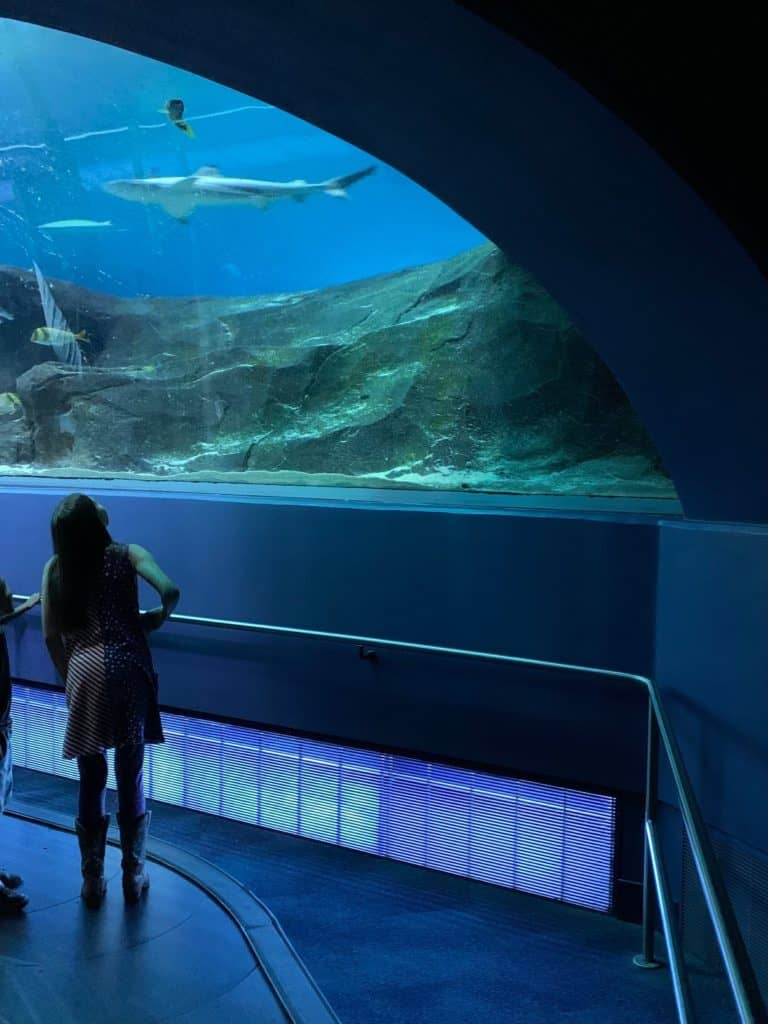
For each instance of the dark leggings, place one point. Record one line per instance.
(129, 765)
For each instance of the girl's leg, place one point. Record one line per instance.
(129, 772)
(91, 826)
(133, 818)
(93, 786)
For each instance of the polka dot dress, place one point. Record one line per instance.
(111, 685)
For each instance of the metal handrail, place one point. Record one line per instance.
(680, 982)
(738, 967)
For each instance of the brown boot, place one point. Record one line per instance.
(10, 880)
(133, 840)
(11, 903)
(93, 843)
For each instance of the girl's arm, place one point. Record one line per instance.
(51, 631)
(148, 569)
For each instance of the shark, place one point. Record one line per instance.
(206, 187)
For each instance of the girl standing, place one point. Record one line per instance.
(96, 637)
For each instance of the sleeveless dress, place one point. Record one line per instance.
(111, 685)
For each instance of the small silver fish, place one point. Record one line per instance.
(5, 315)
(73, 225)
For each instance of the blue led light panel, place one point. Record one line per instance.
(536, 838)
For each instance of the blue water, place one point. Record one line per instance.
(77, 113)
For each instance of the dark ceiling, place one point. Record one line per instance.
(690, 80)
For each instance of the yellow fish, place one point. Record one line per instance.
(56, 336)
(10, 403)
(175, 111)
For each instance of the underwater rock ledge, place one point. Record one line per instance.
(460, 374)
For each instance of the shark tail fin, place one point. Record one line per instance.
(338, 186)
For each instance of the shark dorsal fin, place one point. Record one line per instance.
(207, 172)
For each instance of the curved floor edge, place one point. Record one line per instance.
(293, 985)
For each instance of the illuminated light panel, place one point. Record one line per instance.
(536, 838)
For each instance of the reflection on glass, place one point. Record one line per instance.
(198, 286)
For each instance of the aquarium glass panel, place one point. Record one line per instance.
(198, 286)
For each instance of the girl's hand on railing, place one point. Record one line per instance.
(152, 620)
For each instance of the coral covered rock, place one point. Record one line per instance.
(461, 374)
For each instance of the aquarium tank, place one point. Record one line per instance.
(197, 286)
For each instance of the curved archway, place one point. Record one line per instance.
(662, 290)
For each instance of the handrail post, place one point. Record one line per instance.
(742, 979)
(647, 958)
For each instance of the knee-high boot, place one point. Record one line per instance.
(93, 843)
(133, 840)
(11, 900)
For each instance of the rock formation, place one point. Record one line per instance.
(462, 374)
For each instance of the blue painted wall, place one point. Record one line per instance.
(553, 587)
(712, 664)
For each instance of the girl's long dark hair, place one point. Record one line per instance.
(79, 540)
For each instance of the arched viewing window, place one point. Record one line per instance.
(198, 286)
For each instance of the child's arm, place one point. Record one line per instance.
(7, 611)
(14, 613)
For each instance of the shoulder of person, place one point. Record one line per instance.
(119, 554)
(116, 547)
(136, 552)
